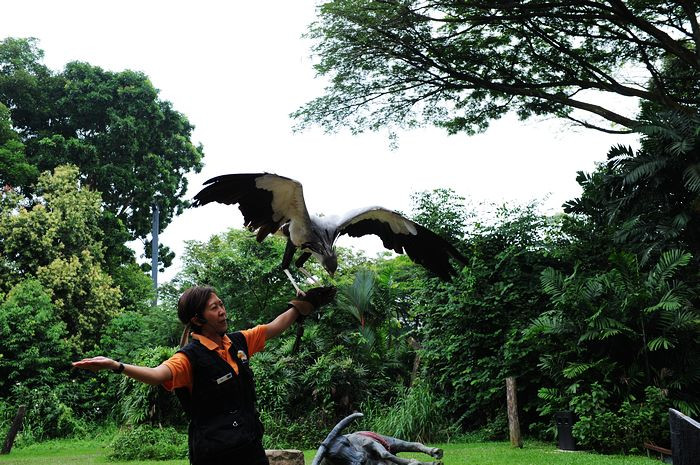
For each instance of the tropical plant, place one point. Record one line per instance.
(663, 173)
(141, 403)
(625, 328)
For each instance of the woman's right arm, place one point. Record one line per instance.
(152, 376)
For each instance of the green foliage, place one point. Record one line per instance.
(602, 428)
(631, 329)
(49, 414)
(14, 168)
(34, 349)
(662, 173)
(282, 432)
(443, 212)
(357, 298)
(63, 222)
(148, 443)
(415, 414)
(129, 144)
(461, 65)
(57, 240)
(142, 403)
(471, 328)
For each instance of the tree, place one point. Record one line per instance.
(34, 349)
(471, 328)
(647, 201)
(129, 145)
(459, 65)
(57, 239)
(14, 168)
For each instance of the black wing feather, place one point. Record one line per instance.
(255, 204)
(425, 247)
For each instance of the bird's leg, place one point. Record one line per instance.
(294, 283)
(308, 275)
(286, 261)
(300, 266)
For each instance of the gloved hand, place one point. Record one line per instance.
(314, 299)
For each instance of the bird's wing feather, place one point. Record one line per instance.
(267, 201)
(402, 235)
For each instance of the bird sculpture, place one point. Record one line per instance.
(275, 204)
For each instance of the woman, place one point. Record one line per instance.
(212, 377)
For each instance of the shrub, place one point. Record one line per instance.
(48, 415)
(282, 432)
(148, 443)
(143, 403)
(623, 430)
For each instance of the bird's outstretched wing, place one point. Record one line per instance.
(402, 235)
(266, 200)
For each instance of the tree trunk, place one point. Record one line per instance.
(415, 345)
(513, 423)
(14, 429)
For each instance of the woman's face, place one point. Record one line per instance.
(215, 315)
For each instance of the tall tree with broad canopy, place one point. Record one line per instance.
(129, 144)
(461, 64)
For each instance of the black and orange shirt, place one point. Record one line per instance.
(181, 368)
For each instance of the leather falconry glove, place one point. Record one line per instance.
(314, 299)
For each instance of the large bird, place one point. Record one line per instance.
(272, 203)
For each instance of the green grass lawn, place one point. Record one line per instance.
(88, 452)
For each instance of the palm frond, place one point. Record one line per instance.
(576, 369)
(668, 264)
(547, 323)
(660, 342)
(668, 302)
(643, 167)
(552, 281)
(691, 177)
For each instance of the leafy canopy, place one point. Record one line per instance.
(129, 144)
(459, 65)
(56, 239)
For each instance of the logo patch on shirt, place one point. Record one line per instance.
(242, 356)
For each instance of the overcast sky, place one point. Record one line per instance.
(237, 69)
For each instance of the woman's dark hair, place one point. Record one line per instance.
(192, 302)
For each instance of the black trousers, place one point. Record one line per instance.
(253, 455)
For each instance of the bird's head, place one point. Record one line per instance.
(330, 263)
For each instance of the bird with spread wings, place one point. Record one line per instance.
(271, 204)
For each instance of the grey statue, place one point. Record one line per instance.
(368, 448)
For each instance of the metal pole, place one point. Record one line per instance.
(154, 252)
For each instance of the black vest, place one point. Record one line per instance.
(221, 407)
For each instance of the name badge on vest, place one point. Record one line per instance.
(226, 377)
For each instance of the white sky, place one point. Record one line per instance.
(237, 69)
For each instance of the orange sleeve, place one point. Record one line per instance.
(255, 338)
(181, 370)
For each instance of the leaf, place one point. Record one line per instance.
(552, 281)
(576, 369)
(691, 177)
(669, 262)
(659, 343)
